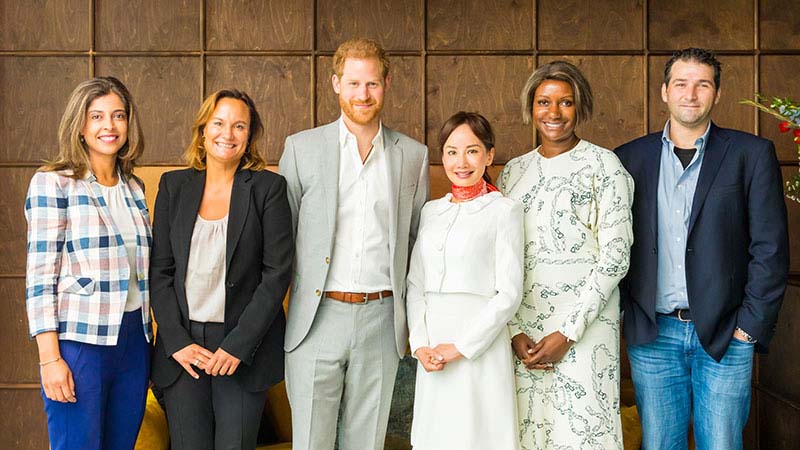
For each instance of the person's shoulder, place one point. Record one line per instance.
(521, 159)
(266, 177)
(407, 143)
(641, 141)
(507, 205)
(742, 138)
(312, 134)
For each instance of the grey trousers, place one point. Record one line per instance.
(345, 366)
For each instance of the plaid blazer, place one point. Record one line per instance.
(77, 269)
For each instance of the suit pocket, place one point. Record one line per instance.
(76, 285)
(725, 189)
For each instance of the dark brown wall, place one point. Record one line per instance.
(447, 55)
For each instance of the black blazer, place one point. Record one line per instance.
(258, 262)
(737, 256)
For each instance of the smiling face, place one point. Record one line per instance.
(361, 88)
(106, 127)
(464, 157)
(554, 114)
(226, 132)
(691, 94)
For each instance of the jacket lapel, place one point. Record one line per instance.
(715, 151)
(329, 172)
(394, 166)
(237, 214)
(652, 170)
(186, 215)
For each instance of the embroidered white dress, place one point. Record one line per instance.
(464, 286)
(577, 246)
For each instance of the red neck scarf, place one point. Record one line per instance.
(467, 193)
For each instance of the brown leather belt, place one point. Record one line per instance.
(684, 315)
(357, 297)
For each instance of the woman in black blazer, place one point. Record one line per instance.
(220, 267)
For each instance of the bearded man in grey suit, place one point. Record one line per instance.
(356, 189)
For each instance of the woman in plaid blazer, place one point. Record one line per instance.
(87, 273)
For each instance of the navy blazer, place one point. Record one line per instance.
(737, 256)
(259, 252)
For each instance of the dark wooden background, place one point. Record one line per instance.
(447, 55)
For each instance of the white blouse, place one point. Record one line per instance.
(473, 247)
(121, 213)
(205, 273)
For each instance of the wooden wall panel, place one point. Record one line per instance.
(736, 84)
(778, 76)
(14, 335)
(396, 24)
(402, 102)
(779, 26)
(778, 428)
(23, 421)
(778, 370)
(460, 25)
(605, 25)
(68, 23)
(12, 221)
(125, 25)
(793, 211)
(719, 24)
(489, 85)
(166, 91)
(33, 96)
(259, 25)
(617, 85)
(279, 85)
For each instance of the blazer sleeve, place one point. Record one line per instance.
(508, 273)
(420, 197)
(46, 214)
(769, 244)
(613, 226)
(276, 266)
(162, 276)
(287, 166)
(416, 303)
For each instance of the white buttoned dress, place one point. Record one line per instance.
(464, 285)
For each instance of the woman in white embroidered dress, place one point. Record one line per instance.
(577, 199)
(463, 287)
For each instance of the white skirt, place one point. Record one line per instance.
(471, 404)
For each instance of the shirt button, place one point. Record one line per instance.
(440, 247)
(678, 211)
(327, 260)
(317, 293)
(680, 266)
(677, 239)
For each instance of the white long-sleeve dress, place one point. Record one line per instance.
(464, 285)
(577, 245)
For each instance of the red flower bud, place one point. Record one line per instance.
(784, 127)
(796, 132)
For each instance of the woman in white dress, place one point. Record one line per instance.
(577, 199)
(464, 285)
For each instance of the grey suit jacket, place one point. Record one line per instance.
(310, 163)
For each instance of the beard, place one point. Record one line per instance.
(361, 117)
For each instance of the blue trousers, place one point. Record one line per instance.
(110, 388)
(676, 380)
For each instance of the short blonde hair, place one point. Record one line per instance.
(195, 154)
(360, 48)
(559, 71)
(73, 154)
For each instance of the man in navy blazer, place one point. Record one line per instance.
(708, 265)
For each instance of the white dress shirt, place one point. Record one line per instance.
(360, 259)
(205, 272)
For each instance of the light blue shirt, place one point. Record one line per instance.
(676, 187)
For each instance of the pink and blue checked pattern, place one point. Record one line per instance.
(77, 270)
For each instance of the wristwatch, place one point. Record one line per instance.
(747, 337)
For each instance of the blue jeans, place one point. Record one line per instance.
(675, 379)
(111, 389)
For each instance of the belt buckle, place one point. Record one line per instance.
(681, 317)
(366, 299)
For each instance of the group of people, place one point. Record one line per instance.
(511, 295)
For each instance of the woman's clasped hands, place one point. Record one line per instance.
(435, 359)
(217, 363)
